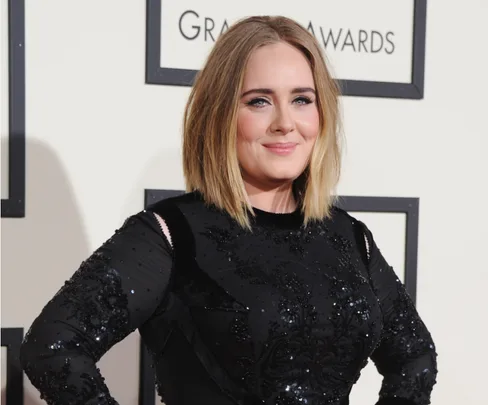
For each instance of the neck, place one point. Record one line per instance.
(278, 199)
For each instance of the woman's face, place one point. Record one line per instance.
(278, 119)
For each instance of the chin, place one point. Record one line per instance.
(285, 171)
(283, 176)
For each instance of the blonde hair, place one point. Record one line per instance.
(210, 161)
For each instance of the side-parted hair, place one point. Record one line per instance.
(210, 161)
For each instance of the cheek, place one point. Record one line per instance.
(310, 125)
(246, 135)
(246, 127)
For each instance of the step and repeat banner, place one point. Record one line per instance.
(375, 47)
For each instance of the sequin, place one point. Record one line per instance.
(280, 315)
(94, 298)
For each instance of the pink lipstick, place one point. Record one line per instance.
(281, 148)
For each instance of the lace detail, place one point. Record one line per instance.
(95, 299)
(95, 307)
(111, 293)
(64, 386)
(305, 357)
(406, 355)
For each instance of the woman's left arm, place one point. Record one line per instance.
(406, 355)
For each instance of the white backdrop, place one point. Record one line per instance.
(97, 136)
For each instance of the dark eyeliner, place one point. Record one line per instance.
(254, 102)
(307, 100)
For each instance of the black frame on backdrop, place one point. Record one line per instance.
(404, 205)
(11, 339)
(156, 74)
(14, 205)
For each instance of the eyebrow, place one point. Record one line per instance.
(270, 91)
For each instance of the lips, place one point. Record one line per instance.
(281, 148)
(280, 145)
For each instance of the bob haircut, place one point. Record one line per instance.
(210, 163)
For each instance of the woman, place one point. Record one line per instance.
(252, 288)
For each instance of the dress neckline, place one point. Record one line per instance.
(287, 220)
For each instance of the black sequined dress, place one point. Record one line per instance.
(282, 315)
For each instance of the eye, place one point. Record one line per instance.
(303, 100)
(257, 102)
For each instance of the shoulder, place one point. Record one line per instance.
(353, 229)
(344, 219)
(169, 213)
(156, 220)
(139, 237)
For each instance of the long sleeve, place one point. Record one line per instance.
(406, 355)
(113, 292)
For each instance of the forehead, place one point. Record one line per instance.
(278, 64)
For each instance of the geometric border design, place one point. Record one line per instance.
(147, 380)
(401, 205)
(155, 74)
(405, 205)
(12, 338)
(14, 205)
(152, 196)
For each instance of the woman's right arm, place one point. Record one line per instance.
(112, 293)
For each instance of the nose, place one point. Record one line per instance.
(283, 122)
